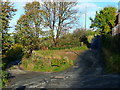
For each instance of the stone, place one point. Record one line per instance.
(59, 77)
(67, 77)
(75, 66)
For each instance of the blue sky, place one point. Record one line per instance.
(91, 5)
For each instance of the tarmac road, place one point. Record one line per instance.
(88, 72)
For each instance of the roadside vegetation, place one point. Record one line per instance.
(111, 53)
(104, 21)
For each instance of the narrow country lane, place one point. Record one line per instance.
(88, 72)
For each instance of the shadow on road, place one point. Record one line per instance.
(21, 88)
(92, 74)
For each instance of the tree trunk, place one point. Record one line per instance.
(30, 50)
(55, 44)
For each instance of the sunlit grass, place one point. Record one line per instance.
(79, 48)
(47, 65)
(47, 61)
(70, 48)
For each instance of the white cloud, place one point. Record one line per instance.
(89, 14)
(82, 6)
(92, 13)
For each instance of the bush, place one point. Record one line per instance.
(3, 75)
(106, 41)
(67, 41)
(4, 78)
(111, 43)
(5, 47)
(15, 52)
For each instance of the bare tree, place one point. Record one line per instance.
(60, 16)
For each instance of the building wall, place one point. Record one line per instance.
(119, 18)
(116, 29)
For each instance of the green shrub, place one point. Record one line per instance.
(106, 41)
(90, 37)
(3, 75)
(5, 47)
(15, 52)
(4, 78)
(3, 65)
(111, 43)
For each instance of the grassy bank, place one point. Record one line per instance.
(49, 60)
(112, 61)
(111, 53)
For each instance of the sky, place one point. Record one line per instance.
(91, 6)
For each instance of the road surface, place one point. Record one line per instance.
(88, 72)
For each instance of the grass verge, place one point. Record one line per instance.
(112, 61)
(47, 61)
(71, 48)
